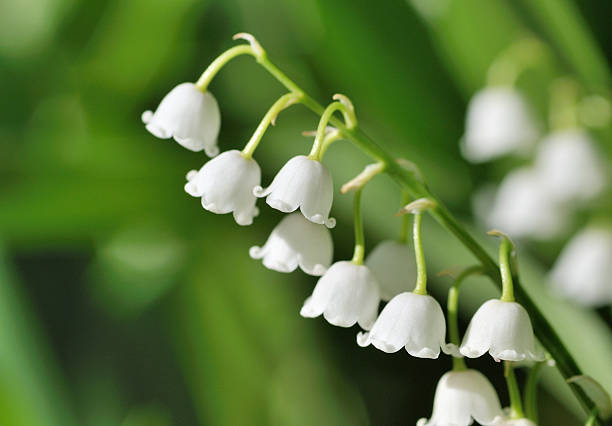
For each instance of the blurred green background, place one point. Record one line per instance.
(123, 303)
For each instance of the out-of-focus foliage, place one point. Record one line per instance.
(123, 302)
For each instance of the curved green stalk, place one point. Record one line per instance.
(410, 182)
(219, 62)
(359, 238)
(452, 308)
(317, 147)
(404, 230)
(516, 406)
(505, 247)
(282, 103)
(421, 282)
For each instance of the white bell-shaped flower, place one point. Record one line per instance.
(188, 115)
(346, 294)
(583, 271)
(411, 321)
(570, 166)
(523, 208)
(462, 397)
(226, 184)
(498, 122)
(302, 183)
(504, 330)
(294, 242)
(394, 266)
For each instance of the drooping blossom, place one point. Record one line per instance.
(188, 115)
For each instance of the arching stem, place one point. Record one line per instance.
(282, 103)
(317, 147)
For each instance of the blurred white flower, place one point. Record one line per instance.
(504, 330)
(570, 167)
(523, 208)
(346, 294)
(305, 184)
(583, 271)
(498, 122)
(294, 242)
(226, 184)
(188, 115)
(462, 397)
(394, 266)
(409, 320)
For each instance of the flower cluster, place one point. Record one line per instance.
(563, 173)
(350, 292)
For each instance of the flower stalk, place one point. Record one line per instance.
(505, 249)
(452, 309)
(283, 102)
(359, 252)
(516, 406)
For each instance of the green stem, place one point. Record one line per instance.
(405, 228)
(359, 238)
(516, 407)
(421, 282)
(328, 140)
(592, 420)
(410, 182)
(317, 147)
(505, 247)
(531, 391)
(453, 309)
(219, 62)
(282, 103)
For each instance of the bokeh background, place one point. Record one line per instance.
(123, 303)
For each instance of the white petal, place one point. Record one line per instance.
(345, 294)
(570, 166)
(413, 321)
(504, 330)
(462, 396)
(498, 122)
(583, 270)
(523, 208)
(305, 184)
(225, 184)
(297, 241)
(190, 116)
(394, 266)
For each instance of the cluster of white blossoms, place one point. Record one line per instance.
(350, 292)
(540, 200)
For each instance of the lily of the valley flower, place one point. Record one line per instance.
(394, 266)
(412, 321)
(462, 397)
(346, 294)
(583, 270)
(523, 207)
(570, 166)
(226, 184)
(498, 122)
(295, 242)
(302, 183)
(188, 115)
(504, 330)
